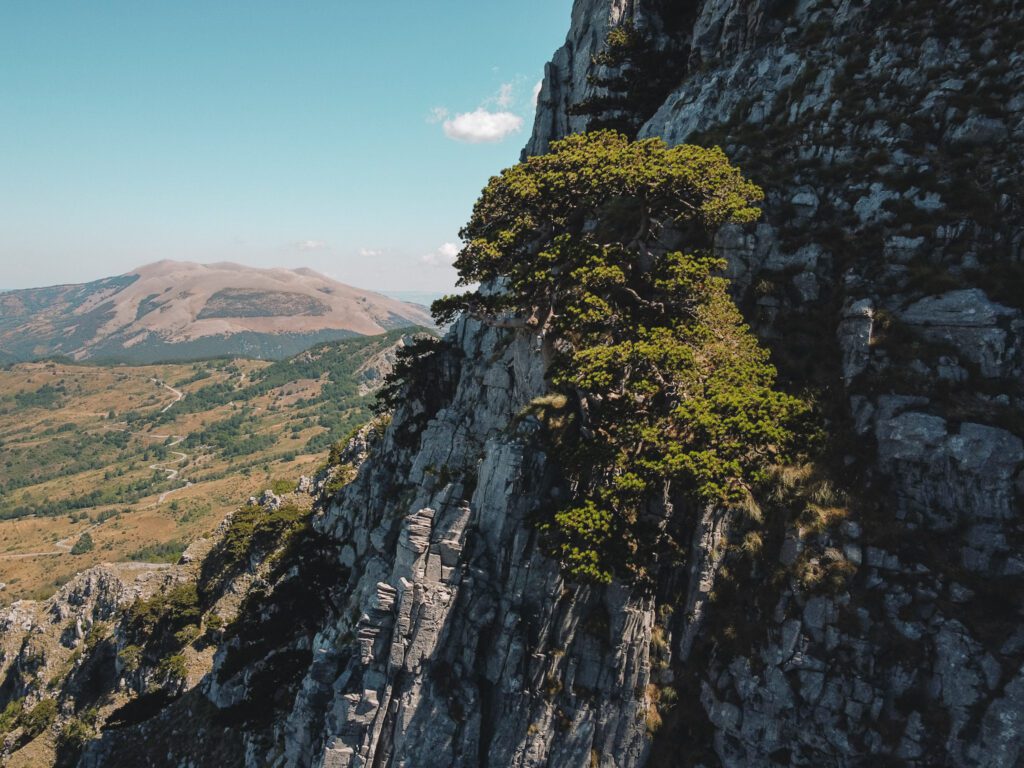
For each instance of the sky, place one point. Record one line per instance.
(349, 137)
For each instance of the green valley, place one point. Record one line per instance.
(141, 460)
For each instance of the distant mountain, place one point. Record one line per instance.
(180, 310)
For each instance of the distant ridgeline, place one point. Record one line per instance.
(173, 311)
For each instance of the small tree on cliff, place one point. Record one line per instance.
(631, 78)
(663, 386)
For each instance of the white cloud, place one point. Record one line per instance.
(536, 91)
(370, 253)
(437, 115)
(482, 126)
(442, 257)
(311, 245)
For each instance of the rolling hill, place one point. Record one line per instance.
(174, 310)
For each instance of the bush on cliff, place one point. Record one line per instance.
(604, 246)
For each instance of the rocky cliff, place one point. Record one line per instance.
(866, 611)
(886, 272)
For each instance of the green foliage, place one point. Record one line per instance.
(187, 635)
(669, 386)
(584, 532)
(77, 731)
(97, 633)
(236, 435)
(253, 530)
(127, 493)
(632, 76)
(164, 552)
(301, 591)
(39, 718)
(283, 486)
(214, 626)
(341, 476)
(253, 527)
(155, 624)
(173, 668)
(338, 407)
(83, 545)
(47, 397)
(130, 657)
(424, 373)
(11, 715)
(408, 360)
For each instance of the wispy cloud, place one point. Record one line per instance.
(444, 256)
(370, 253)
(437, 115)
(505, 96)
(482, 126)
(311, 245)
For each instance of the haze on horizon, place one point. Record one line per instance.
(348, 138)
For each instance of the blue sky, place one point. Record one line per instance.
(350, 137)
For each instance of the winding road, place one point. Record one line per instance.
(165, 466)
(179, 396)
(62, 547)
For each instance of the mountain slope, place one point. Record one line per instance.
(146, 458)
(179, 310)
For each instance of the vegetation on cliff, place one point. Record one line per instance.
(631, 77)
(604, 247)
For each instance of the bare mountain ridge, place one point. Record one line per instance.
(180, 310)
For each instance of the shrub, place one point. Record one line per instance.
(77, 731)
(633, 74)
(39, 718)
(173, 668)
(652, 718)
(282, 487)
(214, 626)
(255, 529)
(130, 657)
(187, 635)
(164, 552)
(162, 624)
(11, 715)
(83, 545)
(409, 360)
(341, 475)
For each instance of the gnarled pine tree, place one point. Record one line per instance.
(604, 246)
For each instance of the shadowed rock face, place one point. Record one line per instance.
(880, 625)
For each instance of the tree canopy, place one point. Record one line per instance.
(604, 247)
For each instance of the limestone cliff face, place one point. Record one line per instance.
(876, 617)
(457, 641)
(444, 634)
